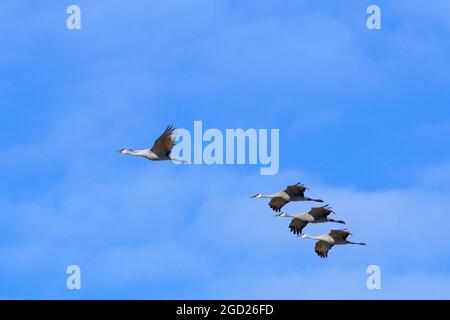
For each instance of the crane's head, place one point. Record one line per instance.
(282, 214)
(258, 195)
(125, 150)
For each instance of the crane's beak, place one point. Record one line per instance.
(253, 196)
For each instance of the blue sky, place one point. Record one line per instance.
(364, 121)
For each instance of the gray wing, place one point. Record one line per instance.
(164, 144)
(322, 248)
(295, 191)
(277, 203)
(319, 212)
(296, 226)
(339, 234)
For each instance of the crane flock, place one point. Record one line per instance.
(162, 148)
(299, 221)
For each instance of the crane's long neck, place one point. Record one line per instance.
(135, 152)
(273, 195)
(307, 236)
(284, 214)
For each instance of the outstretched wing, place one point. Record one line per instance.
(322, 248)
(295, 191)
(277, 203)
(164, 144)
(319, 212)
(339, 234)
(296, 226)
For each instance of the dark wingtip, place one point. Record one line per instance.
(169, 129)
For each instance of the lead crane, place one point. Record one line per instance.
(161, 147)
